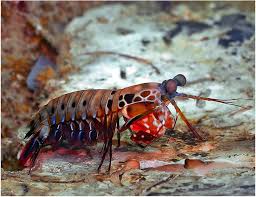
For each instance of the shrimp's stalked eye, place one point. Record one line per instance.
(180, 79)
(171, 86)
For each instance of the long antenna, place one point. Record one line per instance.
(227, 102)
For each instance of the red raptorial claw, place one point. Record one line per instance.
(152, 126)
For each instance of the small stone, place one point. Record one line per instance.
(124, 31)
(145, 41)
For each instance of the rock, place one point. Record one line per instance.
(41, 65)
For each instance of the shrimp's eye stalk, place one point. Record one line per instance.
(180, 79)
(170, 87)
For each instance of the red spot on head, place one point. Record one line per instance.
(145, 93)
(152, 97)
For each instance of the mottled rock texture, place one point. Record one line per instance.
(197, 40)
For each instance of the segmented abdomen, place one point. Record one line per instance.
(83, 112)
(82, 117)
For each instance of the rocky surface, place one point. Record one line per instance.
(216, 61)
(32, 37)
